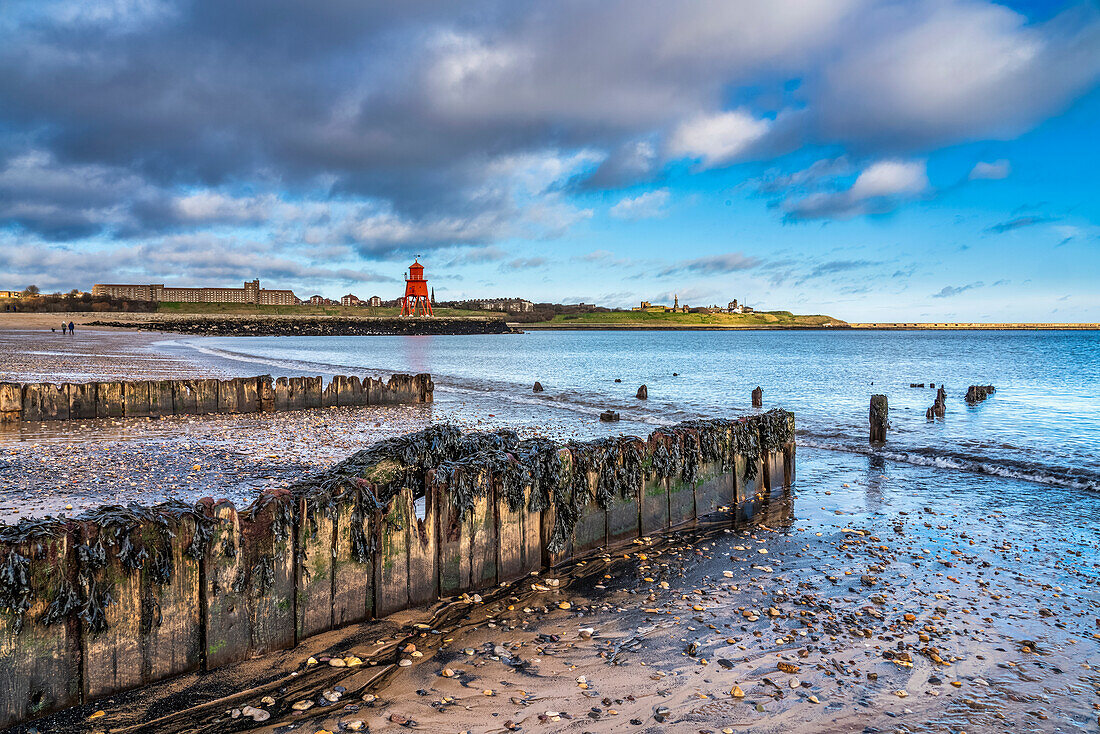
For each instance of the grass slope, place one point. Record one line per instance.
(673, 320)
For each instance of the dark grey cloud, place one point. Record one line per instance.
(524, 263)
(431, 116)
(1018, 223)
(838, 266)
(730, 262)
(951, 290)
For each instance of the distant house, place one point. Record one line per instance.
(11, 294)
(375, 301)
(317, 300)
(350, 300)
(251, 292)
(509, 305)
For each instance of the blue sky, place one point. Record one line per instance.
(926, 160)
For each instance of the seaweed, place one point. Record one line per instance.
(204, 531)
(776, 430)
(15, 588)
(364, 505)
(264, 572)
(66, 601)
(91, 557)
(690, 457)
(664, 462)
(94, 606)
(746, 442)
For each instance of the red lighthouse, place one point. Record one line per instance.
(416, 301)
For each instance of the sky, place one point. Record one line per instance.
(874, 160)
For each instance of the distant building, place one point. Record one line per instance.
(250, 293)
(317, 300)
(11, 294)
(734, 307)
(350, 300)
(508, 305)
(375, 301)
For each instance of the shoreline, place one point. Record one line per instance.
(846, 327)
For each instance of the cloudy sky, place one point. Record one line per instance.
(873, 160)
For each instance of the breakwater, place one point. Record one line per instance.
(44, 401)
(125, 596)
(278, 325)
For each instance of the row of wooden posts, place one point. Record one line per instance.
(44, 401)
(198, 588)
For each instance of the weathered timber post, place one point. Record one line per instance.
(939, 408)
(643, 393)
(879, 418)
(11, 402)
(758, 398)
(267, 393)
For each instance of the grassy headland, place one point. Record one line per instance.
(656, 320)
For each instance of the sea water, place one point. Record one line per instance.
(1042, 424)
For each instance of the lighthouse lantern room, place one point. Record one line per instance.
(416, 301)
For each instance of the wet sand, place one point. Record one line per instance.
(35, 354)
(53, 467)
(886, 597)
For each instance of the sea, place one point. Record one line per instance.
(1042, 425)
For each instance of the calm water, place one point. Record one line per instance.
(1042, 424)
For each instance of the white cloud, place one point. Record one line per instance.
(990, 171)
(719, 138)
(649, 205)
(890, 178)
(878, 189)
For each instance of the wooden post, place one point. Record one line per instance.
(758, 398)
(11, 402)
(879, 417)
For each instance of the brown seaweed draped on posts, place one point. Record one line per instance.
(158, 398)
(124, 596)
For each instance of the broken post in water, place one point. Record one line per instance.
(879, 418)
(758, 398)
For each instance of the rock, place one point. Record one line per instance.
(978, 393)
(643, 393)
(609, 416)
(537, 387)
(617, 380)
(737, 692)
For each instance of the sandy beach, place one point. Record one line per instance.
(860, 607)
(887, 596)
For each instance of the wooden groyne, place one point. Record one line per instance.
(44, 401)
(124, 596)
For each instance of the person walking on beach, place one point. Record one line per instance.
(63, 327)
(72, 328)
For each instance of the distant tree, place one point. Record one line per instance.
(30, 290)
(74, 293)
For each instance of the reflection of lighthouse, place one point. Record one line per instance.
(416, 301)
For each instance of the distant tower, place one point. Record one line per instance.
(416, 301)
(433, 296)
(676, 302)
